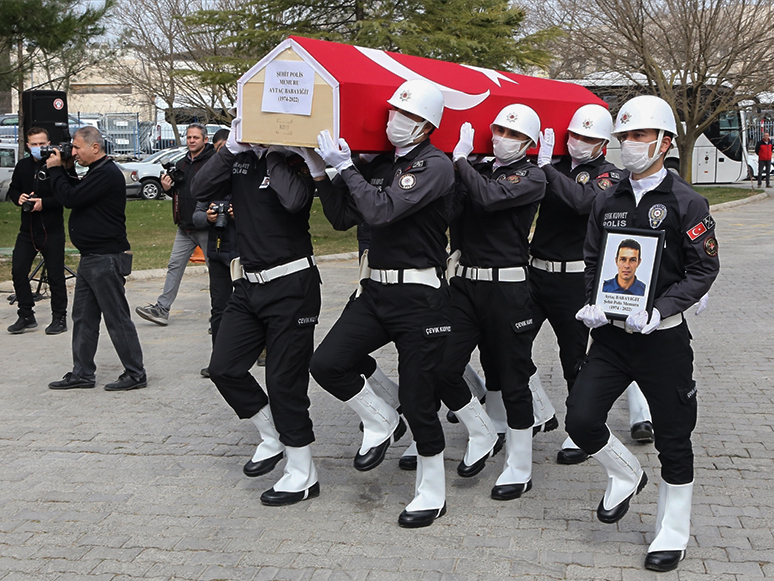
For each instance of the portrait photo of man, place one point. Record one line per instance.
(627, 259)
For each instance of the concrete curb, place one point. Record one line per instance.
(735, 203)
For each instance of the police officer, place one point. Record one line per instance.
(652, 348)
(490, 304)
(275, 303)
(404, 198)
(556, 265)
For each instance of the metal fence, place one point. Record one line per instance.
(756, 129)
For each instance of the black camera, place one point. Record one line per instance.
(175, 174)
(222, 210)
(28, 205)
(65, 150)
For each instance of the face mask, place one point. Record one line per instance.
(401, 130)
(580, 151)
(508, 150)
(634, 155)
(35, 151)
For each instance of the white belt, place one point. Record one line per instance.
(667, 323)
(511, 274)
(426, 276)
(549, 266)
(276, 272)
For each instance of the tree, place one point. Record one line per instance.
(704, 57)
(482, 33)
(43, 31)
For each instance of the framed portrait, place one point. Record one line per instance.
(627, 271)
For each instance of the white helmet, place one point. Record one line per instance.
(420, 97)
(519, 118)
(646, 112)
(592, 121)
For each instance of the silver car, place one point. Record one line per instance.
(149, 171)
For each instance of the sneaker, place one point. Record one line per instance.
(71, 381)
(22, 324)
(58, 325)
(126, 382)
(153, 314)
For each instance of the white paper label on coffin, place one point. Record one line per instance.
(289, 88)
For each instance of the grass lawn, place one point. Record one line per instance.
(151, 233)
(720, 194)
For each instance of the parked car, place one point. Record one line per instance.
(133, 185)
(150, 170)
(9, 153)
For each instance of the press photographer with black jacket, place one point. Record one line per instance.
(97, 228)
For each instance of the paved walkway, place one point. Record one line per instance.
(148, 484)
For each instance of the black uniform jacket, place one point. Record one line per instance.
(271, 197)
(564, 212)
(496, 209)
(689, 261)
(30, 175)
(406, 202)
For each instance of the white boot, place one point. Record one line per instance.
(408, 461)
(430, 494)
(516, 478)
(570, 453)
(495, 409)
(625, 478)
(673, 527)
(270, 451)
(542, 408)
(475, 384)
(640, 421)
(381, 426)
(385, 388)
(298, 482)
(482, 438)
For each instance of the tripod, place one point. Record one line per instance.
(39, 276)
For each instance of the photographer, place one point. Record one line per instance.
(188, 235)
(98, 229)
(42, 230)
(218, 218)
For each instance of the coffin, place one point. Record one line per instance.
(304, 86)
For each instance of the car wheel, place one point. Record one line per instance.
(151, 190)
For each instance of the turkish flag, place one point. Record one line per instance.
(697, 231)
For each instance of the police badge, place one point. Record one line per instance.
(656, 215)
(583, 177)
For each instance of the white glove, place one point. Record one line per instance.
(546, 151)
(338, 156)
(638, 322)
(702, 304)
(592, 316)
(464, 146)
(232, 144)
(313, 161)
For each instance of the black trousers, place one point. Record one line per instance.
(496, 316)
(220, 291)
(764, 170)
(99, 293)
(662, 365)
(413, 316)
(51, 246)
(556, 298)
(280, 315)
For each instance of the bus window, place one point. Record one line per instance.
(726, 135)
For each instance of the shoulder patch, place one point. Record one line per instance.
(407, 181)
(604, 183)
(707, 224)
(711, 246)
(514, 179)
(603, 175)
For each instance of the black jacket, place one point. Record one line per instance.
(183, 201)
(29, 176)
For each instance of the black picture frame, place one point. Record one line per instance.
(614, 290)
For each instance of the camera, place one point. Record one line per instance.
(65, 150)
(29, 204)
(175, 174)
(222, 210)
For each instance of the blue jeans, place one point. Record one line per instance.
(99, 292)
(182, 249)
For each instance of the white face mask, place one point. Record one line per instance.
(401, 130)
(634, 155)
(508, 150)
(580, 151)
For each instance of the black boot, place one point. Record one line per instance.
(58, 325)
(22, 324)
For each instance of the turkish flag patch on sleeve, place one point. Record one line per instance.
(704, 226)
